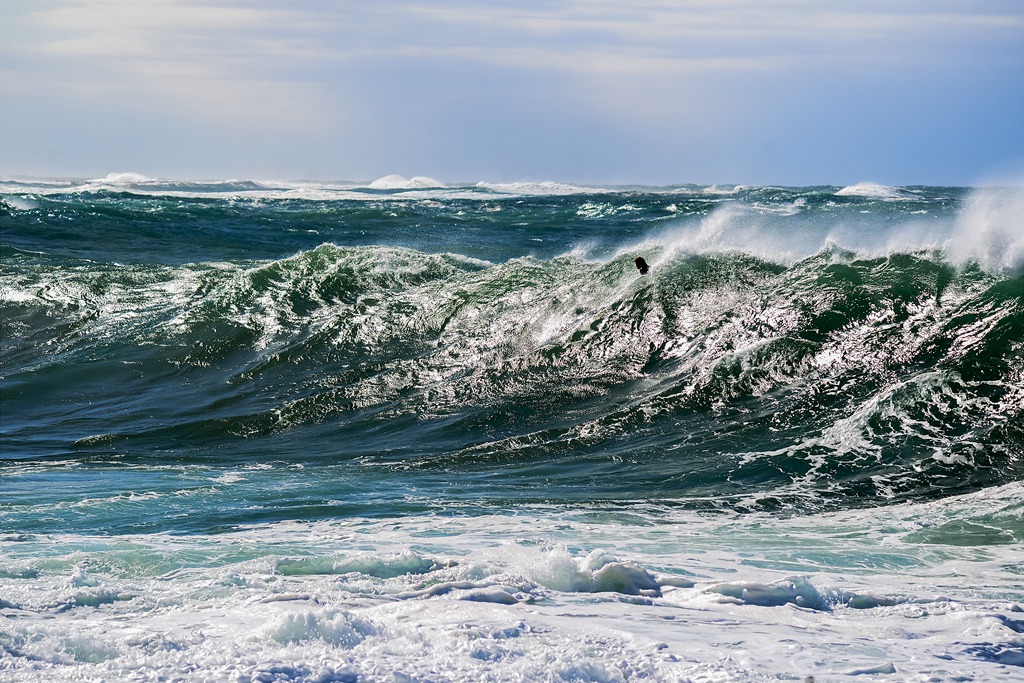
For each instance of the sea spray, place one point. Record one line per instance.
(990, 230)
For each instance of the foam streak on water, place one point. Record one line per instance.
(643, 593)
(407, 430)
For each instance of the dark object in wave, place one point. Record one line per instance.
(641, 265)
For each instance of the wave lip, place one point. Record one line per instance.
(541, 188)
(124, 178)
(398, 182)
(870, 190)
(18, 203)
(990, 230)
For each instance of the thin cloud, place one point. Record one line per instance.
(722, 26)
(220, 46)
(212, 61)
(403, 80)
(593, 61)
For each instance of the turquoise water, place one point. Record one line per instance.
(186, 363)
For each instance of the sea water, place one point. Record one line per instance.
(408, 431)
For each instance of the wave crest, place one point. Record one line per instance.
(873, 191)
(544, 187)
(990, 230)
(398, 182)
(859, 379)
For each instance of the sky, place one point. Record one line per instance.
(789, 92)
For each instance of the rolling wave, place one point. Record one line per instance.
(721, 377)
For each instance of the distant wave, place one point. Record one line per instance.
(135, 183)
(397, 182)
(126, 178)
(545, 187)
(402, 187)
(417, 187)
(873, 190)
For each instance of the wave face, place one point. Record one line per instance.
(791, 350)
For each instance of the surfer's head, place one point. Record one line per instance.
(641, 265)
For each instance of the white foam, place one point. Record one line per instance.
(990, 229)
(337, 628)
(796, 590)
(737, 227)
(127, 178)
(545, 187)
(724, 189)
(790, 209)
(874, 191)
(11, 295)
(238, 190)
(597, 572)
(19, 203)
(527, 595)
(397, 182)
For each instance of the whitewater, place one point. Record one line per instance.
(408, 430)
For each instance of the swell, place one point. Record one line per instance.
(720, 379)
(147, 222)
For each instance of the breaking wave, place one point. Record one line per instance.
(719, 379)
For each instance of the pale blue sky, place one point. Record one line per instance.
(600, 91)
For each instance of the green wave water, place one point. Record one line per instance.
(382, 378)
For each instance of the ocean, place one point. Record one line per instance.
(414, 431)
